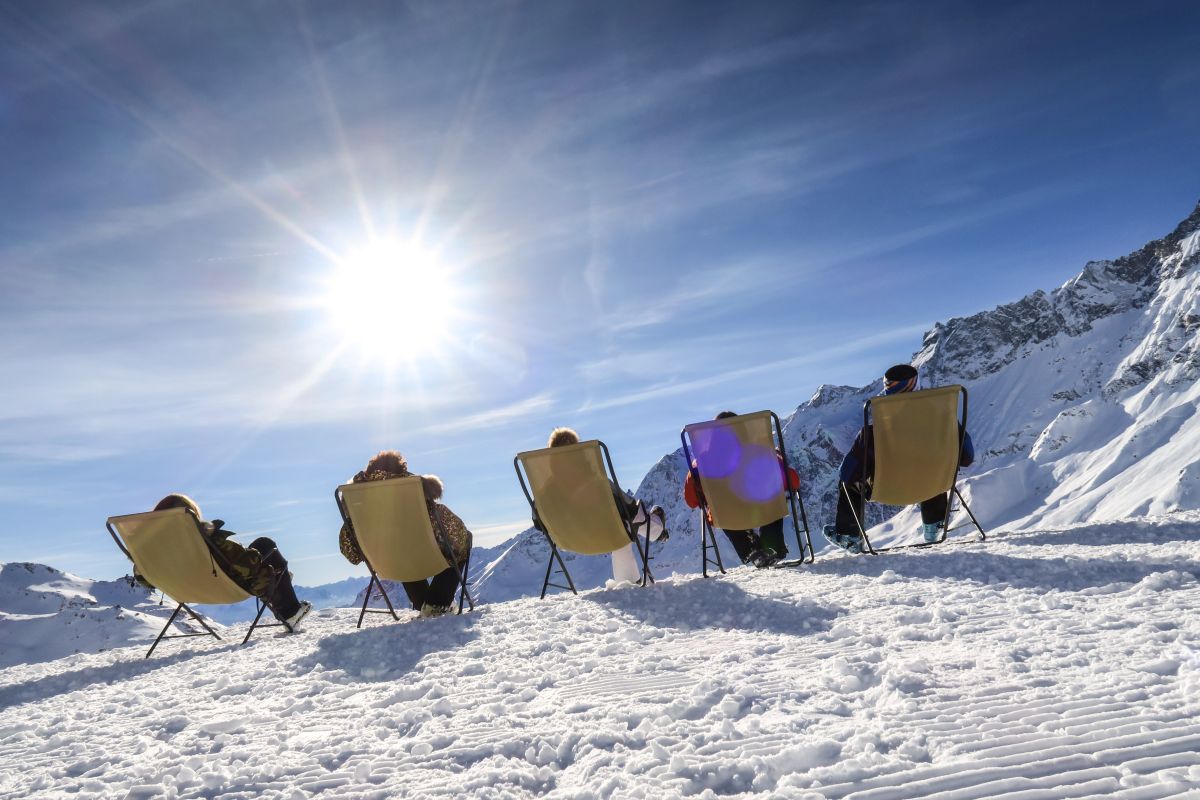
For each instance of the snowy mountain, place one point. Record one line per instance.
(47, 614)
(1082, 409)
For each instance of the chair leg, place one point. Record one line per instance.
(366, 599)
(794, 499)
(199, 619)
(712, 537)
(163, 632)
(971, 514)
(546, 580)
(387, 600)
(646, 574)
(261, 608)
(708, 541)
(462, 591)
(862, 531)
(562, 567)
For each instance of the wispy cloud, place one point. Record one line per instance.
(494, 533)
(813, 356)
(697, 291)
(530, 406)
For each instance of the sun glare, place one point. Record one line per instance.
(391, 300)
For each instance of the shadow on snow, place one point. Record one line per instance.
(1066, 573)
(714, 603)
(131, 666)
(386, 651)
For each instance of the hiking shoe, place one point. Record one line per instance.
(849, 542)
(662, 520)
(831, 535)
(931, 531)
(292, 623)
(431, 610)
(760, 559)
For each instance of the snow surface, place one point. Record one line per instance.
(47, 614)
(1040, 665)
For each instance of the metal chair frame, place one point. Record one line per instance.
(218, 560)
(953, 490)
(708, 536)
(644, 554)
(463, 593)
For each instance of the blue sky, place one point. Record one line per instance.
(641, 212)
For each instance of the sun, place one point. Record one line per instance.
(391, 300)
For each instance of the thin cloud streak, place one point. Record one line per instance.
(521, 409)
(495, 533)
(93, 84)
(671, 389)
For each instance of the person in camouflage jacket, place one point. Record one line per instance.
(260, 569)
(437, 594)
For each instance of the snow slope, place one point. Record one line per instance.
(1041, 665)
(47, 614)
(1082, 409)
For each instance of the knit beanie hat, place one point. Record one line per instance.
(900, 378)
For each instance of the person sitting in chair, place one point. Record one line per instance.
(260, 569)
(433, 597)
(650, 524)
(852, 492)
(763, 547)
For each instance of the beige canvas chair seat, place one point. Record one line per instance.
(168, 548)
(739, 479)
(918, 445)
(573, 496)
(390, 520)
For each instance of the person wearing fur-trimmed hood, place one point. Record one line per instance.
(431, 597)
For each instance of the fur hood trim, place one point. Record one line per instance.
(432, 485)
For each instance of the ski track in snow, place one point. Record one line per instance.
(1046, 665)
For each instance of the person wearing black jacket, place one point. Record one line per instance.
(852, 492)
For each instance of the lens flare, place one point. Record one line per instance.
(392, 301)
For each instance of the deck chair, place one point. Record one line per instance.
(390, 520)
(570, 492)
(918, 446)
(737, 472)
(170, 550)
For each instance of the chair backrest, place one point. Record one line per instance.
(917, 444)
(739, 470)
(169, 550)
(574, 498)
(391, 522)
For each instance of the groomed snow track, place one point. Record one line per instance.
(1047, 665)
